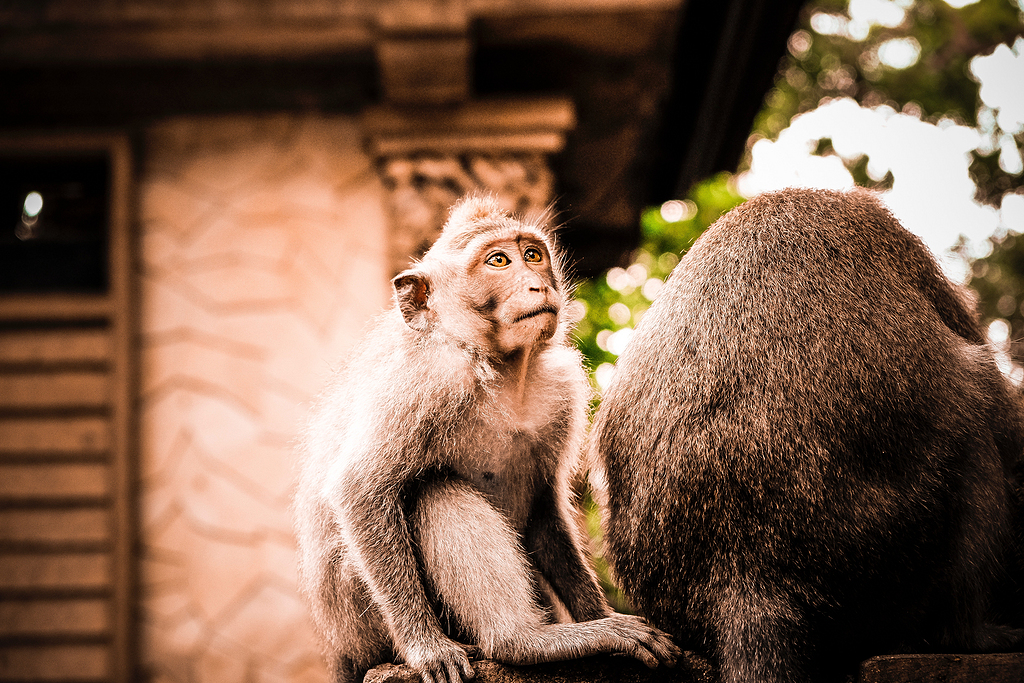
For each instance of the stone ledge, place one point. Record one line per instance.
(944, 668)
(692, 668)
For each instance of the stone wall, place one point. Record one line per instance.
(263, 247)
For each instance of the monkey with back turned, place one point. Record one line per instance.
(805, 456)
(433, 505)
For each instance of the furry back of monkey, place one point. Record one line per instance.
(807, 447)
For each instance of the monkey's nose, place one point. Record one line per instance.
(534, 283)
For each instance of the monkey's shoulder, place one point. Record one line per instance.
(797, 234)
(393, 367)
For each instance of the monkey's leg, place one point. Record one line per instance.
(354, 637)
(351, 631)
(476, 565)
(550, 539)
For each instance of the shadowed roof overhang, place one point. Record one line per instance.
(665, 91)
(665, 96)
(726, 55)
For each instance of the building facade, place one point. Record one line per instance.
(252, 174)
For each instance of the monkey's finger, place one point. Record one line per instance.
(472, 651)
(665, 655)
(468, 672)
(650, 650)
(440, 673)
(637, 650)
(455, 672)
(653, 640)
(661, 645)
(427, 676)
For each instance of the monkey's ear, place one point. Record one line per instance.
(412, 289)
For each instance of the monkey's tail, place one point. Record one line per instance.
(760, 636)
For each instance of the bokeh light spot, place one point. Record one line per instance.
(33, 204)
(899, 53)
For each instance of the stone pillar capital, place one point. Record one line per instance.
(428, 157)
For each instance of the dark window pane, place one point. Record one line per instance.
(53, 224)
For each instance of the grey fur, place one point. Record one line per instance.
(434, 498)
(805, 455)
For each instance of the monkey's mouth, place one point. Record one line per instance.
(546, 308)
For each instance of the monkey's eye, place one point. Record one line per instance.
(533, 255)
(498, 260)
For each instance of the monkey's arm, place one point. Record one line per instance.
(376, 532)
(553, 544)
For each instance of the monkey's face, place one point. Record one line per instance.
(515, 289)
(490, 282)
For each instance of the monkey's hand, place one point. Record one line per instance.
(440, 661)
(472, 651)
(640, 640)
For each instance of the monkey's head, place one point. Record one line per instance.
(491, 282)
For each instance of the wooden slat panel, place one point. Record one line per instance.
(86, 435)
(125, 372)
(55, 526)
(55, 346)
(54, 390)
(56, 307)
(111, 574)
(54, 481)
(50, 617)
(55, 663)
(22, 571)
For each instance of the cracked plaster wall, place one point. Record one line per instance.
(264, 254)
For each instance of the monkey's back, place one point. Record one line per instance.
(800, 428)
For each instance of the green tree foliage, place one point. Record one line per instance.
(998, 280)
(835, 54)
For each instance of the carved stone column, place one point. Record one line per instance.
(428, 158)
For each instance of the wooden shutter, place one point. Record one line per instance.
(67, 454)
